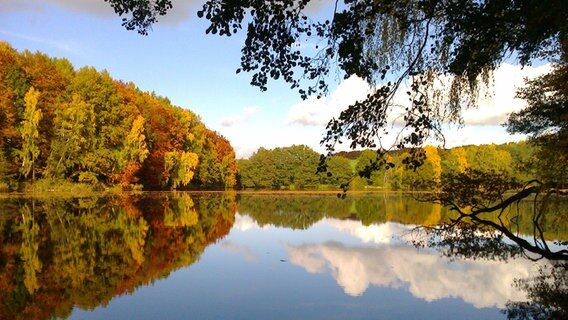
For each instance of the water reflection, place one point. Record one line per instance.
(385, 259)
(422, 272)
(480, 268)
(60, 253)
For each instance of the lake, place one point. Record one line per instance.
(241, 256)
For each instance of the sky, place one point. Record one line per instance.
(197, 71)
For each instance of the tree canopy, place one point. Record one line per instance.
(61, 124)
(391, 44)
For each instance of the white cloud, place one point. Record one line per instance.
(318, 112)
(482, 124)
(245, 223)
(315, 6)
(244, 116)
(498, 101)
(247, 253)
(495, 102)
(96, 7)
(493, 107)
(378, 234)
(478, 134)
(423, 273)
(251, 110)
(397, 264)
(247, 137)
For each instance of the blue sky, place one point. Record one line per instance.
(197, 71)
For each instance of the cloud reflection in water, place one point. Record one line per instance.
(424, 273)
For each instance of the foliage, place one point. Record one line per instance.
(87, 127)
(179, 168)
(141, 14)
(218, 167)
(409, 43)
(288, 167)
(548, 294)
(338, 171)
(271, 169)
(30, 133)
(546, 121)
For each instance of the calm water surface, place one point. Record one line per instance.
(228, 256)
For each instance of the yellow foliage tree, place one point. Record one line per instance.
(30, 133)
(179, 168)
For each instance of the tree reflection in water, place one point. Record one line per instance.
(56, 254)
(487, 221)
(547, 294)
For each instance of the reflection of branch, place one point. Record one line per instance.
(547, 293)
(539, 247)
(500, 206)
(524, 244)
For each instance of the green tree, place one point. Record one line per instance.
(488, 157)
(30, 134)
(113, 122)
(261, 169)
(367, 165)
(338, 171)
(546, 121)
(302, 162)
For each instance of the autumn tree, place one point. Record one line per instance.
(9, 135)
(488, 157)
(428, 175)
(30, 133)
(455, 160)
(94, 129)
(29, 251)
(134, 152)
(179, 168)
(74, 135)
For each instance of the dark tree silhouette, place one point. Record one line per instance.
(388, 43)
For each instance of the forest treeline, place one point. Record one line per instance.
(65, 127)
(301, 211)
(295, 167)
(58, 125)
